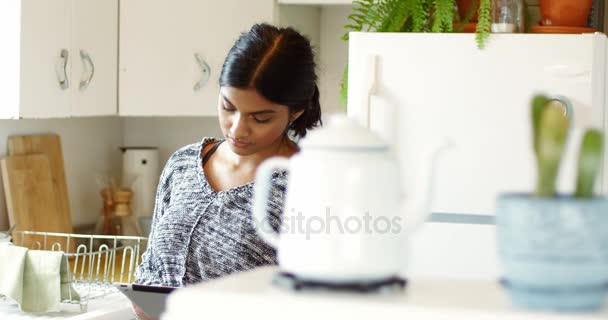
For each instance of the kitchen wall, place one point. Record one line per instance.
(168, 134)
(324, 26)
(90, 146)
(333, 56)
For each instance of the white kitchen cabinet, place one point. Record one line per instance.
(94, 33)
(10, 27)
(45, 38)
(169, 47)
(158, 41)
(45, 59)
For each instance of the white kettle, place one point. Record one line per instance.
(346, 218)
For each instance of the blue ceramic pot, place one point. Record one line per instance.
(554, 251)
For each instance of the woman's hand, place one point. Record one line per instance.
(139, 313)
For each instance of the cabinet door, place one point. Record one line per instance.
(158, 43)
(45, 26)
(95, 55)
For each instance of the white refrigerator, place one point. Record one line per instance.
(419, 90)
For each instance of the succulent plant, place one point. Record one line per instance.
(552, 134)
(551, 125)
(589, 163)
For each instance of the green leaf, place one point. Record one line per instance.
(552, 135)
(589, 163)
(356, 17)
(344, 89)
(443, 15)
(484, 23)
(418, 15)
(539, 102)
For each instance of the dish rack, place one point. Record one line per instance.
(95, 262)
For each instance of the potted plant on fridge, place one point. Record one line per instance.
(554, 247)
(413, 16)
(478, 13)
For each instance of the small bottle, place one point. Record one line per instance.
(507, 16)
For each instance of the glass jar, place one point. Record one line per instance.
(507, 16)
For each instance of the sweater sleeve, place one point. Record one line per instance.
(148, 273)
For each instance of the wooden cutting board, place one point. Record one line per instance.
(50, 145)
(31, 197)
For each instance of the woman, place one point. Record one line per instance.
(202, 226)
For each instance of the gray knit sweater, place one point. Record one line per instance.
(199, 234)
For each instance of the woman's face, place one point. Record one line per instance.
(250, 123)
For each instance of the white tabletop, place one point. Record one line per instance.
(251, 295)
(114, 306)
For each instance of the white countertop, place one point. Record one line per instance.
(251, 295)
(114, 306)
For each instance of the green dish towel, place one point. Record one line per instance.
(12, 265)
(36, 279)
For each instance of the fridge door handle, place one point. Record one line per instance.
(568, 71)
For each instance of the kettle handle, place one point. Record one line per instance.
(261, 190)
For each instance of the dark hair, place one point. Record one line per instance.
(279, 64)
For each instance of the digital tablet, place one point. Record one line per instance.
(150, 299)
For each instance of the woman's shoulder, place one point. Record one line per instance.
(192, 150)
(188, 154)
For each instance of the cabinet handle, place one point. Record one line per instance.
(88, 65)
(205, 69)
(61, 69)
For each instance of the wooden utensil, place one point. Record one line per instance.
(50, 145)
(30, 198)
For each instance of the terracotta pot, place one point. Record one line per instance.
(468, 28)
(463, 7)
(572, 13)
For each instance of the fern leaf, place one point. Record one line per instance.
(483, 23)
(443, 16)
(418, 17)
(397, 14)
(360, 18)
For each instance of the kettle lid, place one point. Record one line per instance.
(343, 132)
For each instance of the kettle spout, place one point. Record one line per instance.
(418, 204)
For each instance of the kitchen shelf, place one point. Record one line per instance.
(316, 2)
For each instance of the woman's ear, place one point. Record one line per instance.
(295, 116)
